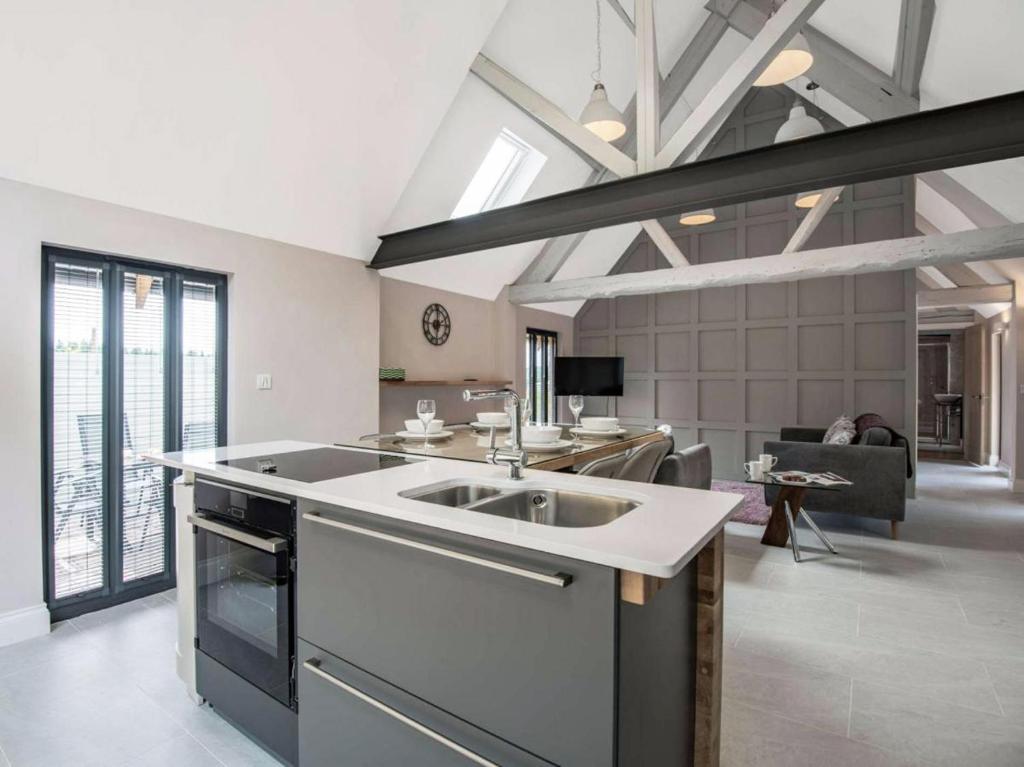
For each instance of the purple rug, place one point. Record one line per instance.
(753, 510)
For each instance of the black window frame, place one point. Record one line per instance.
(113, 267)
(548, 406)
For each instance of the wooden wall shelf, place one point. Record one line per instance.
(470, 384)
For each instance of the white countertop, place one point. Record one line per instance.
(658, 537)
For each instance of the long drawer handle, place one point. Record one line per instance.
(272, 545)
(561, 580)
(313, 666)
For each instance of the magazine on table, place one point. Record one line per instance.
(826, 478)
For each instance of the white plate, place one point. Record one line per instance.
(598, 432)
(487, 426)
(443, 434)
(544, 447)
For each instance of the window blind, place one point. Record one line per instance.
(77, 430)
(199, 376)
(142, 485)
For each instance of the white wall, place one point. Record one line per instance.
(308, 318)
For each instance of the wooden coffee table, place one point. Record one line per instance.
(787, 507)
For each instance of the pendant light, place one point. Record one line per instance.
(698, 217)
(801, 125)
(810, 199)
(599, 116)
(791, 62)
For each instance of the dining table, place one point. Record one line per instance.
(471, 443)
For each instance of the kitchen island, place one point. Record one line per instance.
(431, 633)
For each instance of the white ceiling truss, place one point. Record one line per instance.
(879, 256)
(861, 90)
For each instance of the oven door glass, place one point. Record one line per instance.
(244, 610)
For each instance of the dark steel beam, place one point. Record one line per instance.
(965, 134)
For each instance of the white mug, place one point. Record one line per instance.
(767, 461)
(754, 470)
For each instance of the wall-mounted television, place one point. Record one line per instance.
(590, 376)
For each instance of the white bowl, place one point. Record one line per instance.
(593, 423)
(497, 419)
(541, 434)
(416, 425)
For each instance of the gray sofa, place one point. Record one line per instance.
(877, 467)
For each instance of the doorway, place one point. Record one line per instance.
(940, 393)
(996, 400)
(133, 362)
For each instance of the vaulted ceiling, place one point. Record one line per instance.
(300, 121)
(325, 124)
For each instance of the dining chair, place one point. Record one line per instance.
(687, 468)
(642, 465)
(604, 467)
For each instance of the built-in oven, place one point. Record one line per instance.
(245, 589)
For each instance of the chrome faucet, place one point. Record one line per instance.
(514, 456)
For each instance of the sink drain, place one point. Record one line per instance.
(539, 500)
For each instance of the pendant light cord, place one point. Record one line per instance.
(596, 74)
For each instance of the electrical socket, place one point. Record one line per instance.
(263, 381)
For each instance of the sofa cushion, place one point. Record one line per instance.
(841, 432)
(876, 435)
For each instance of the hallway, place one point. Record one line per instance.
(906, 652)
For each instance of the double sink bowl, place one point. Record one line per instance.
(528, 503)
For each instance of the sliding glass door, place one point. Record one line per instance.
(132, 363)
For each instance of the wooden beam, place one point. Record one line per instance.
(552, 256)
(848, 77)
(945, 325)
(648, 119)
(936, 275)
(979, 212)
(547, 113)
(813, 218)
(926, 280)
(737, 80)
(557, 250)
(916, 17)
(982, 294)
(648, 84)
(707, 730)
(621, 13)
(692, 59)
(664, 242)
(881, 256)
(963, 134)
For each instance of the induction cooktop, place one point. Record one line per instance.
(317, 464)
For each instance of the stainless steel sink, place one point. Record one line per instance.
(452, 495)
(540, 505)
(559, 508)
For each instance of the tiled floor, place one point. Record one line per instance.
(903, 652)
(102, 690)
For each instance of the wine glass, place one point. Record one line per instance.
(426, 409)
(576, 408)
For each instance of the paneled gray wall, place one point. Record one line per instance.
(730, 366)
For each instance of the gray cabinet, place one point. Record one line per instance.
(349, 717)
(459, 622)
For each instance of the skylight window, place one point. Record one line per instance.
(503, 177)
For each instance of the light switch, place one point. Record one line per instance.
(263, 381)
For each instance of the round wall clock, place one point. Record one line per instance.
(437, 324)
